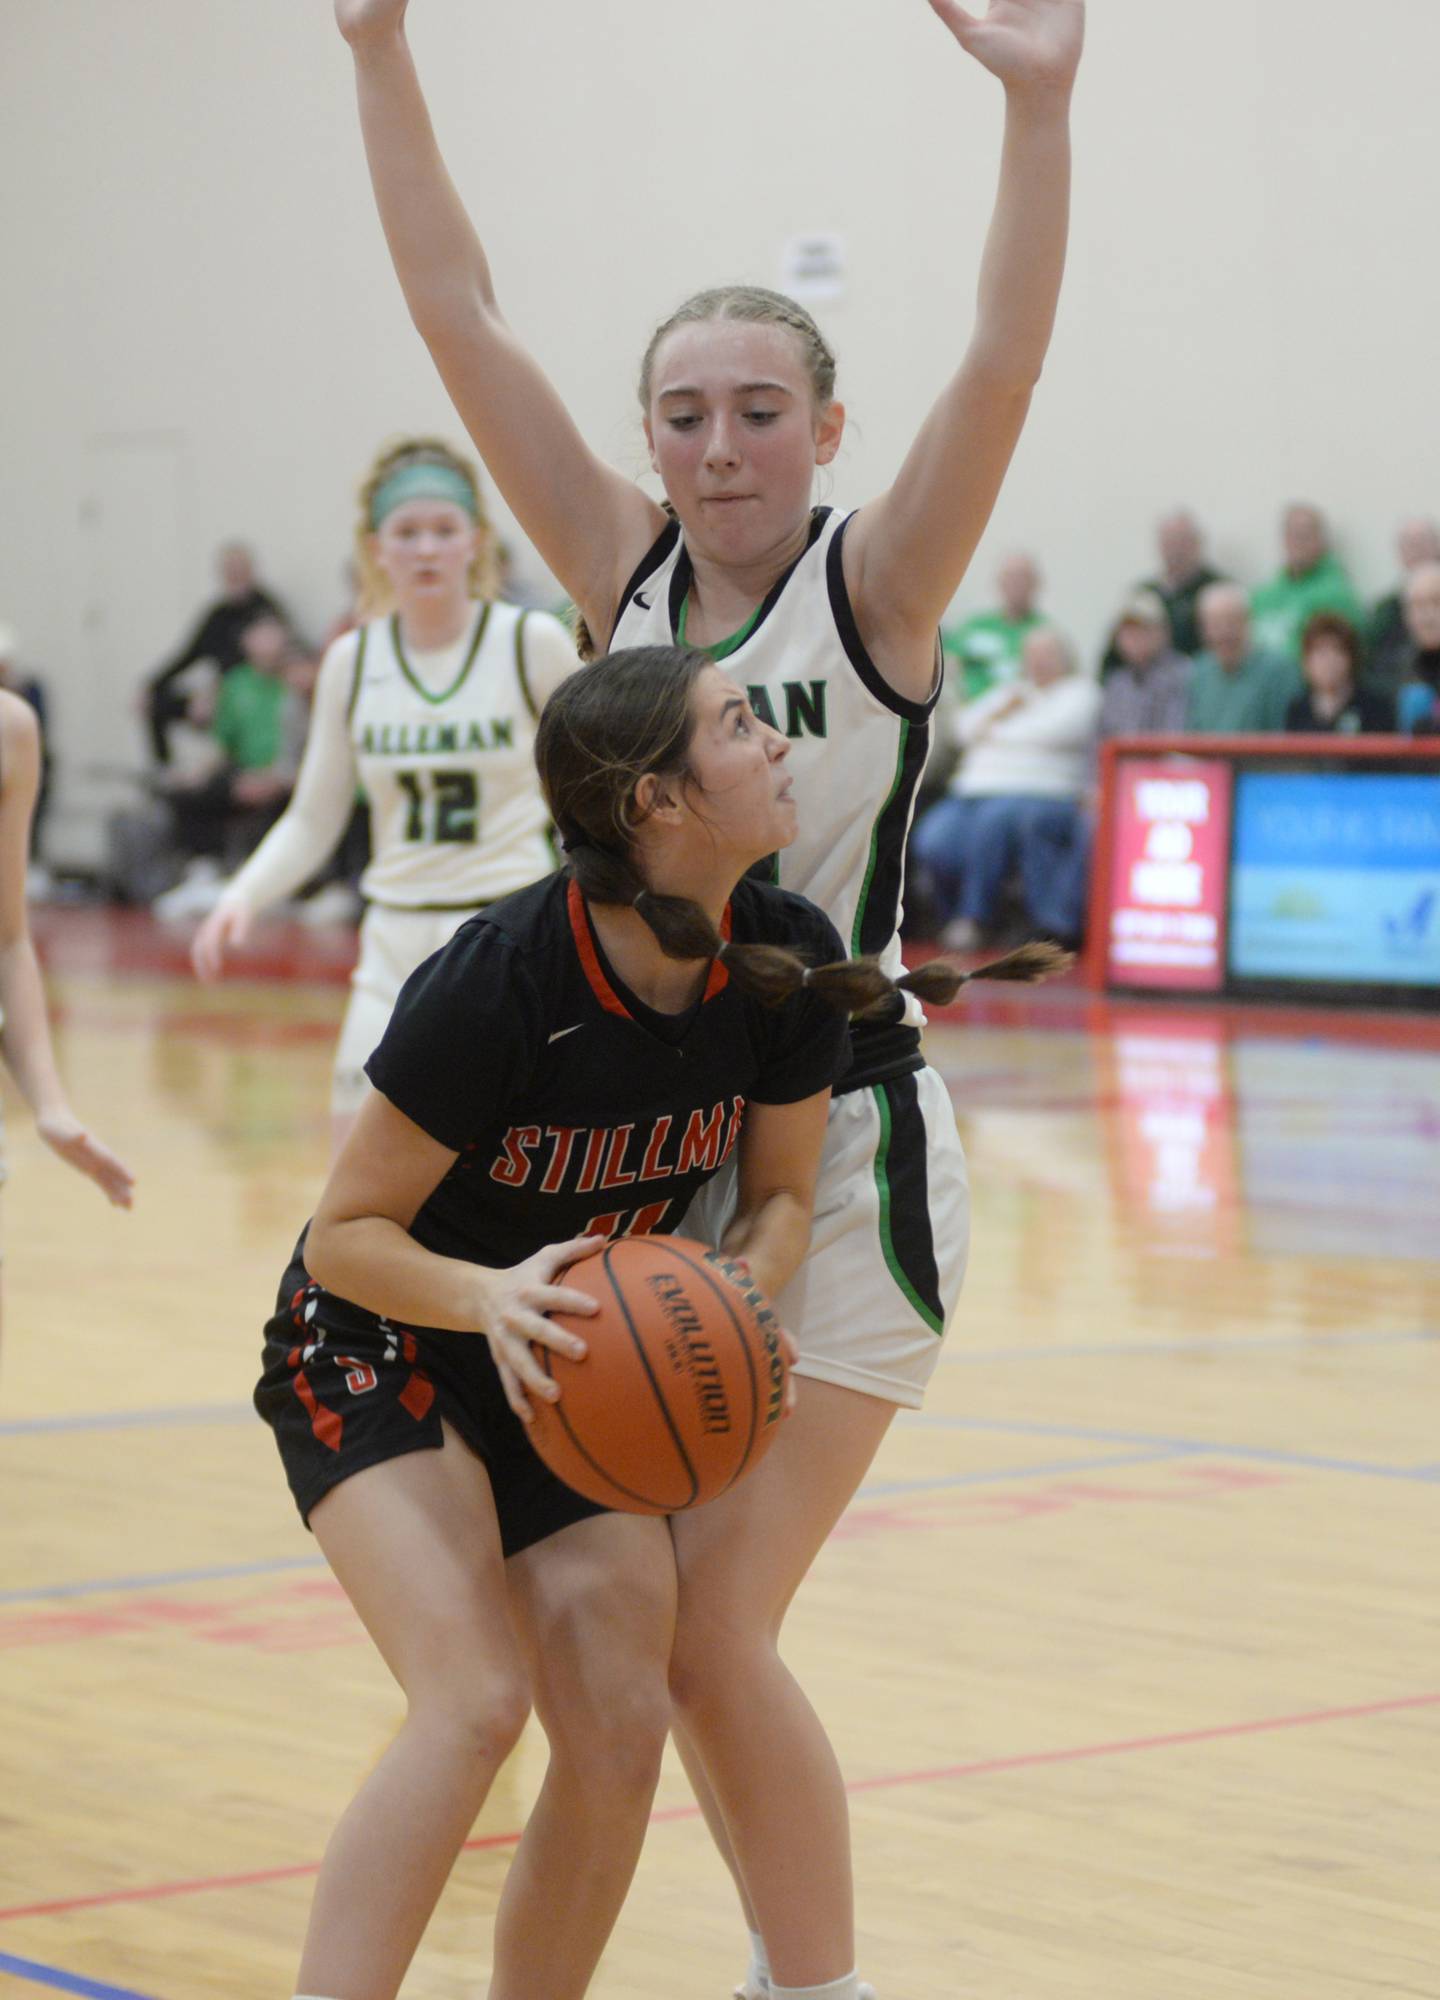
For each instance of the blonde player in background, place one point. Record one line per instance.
(429, 707)
(24, 1028)
(830, 622)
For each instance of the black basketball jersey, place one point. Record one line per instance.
(574, 1108)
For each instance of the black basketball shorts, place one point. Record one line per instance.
(343, 1389)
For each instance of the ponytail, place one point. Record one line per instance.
(770, 973)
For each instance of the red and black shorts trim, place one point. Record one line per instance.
(343, 1389)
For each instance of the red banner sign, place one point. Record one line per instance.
(1168, 860)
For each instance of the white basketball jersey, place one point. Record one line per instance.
(858, 748)
(447, 762)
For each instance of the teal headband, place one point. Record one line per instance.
(423, 480)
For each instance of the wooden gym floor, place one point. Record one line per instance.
(1129, 1645)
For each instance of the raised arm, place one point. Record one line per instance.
(590, 524)
(908, 550)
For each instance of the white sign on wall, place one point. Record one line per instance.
(812, 267)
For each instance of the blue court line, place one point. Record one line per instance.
(166, 1579)
(1311, 1343)
(160, 1579)
(199, 1414)
(1178, 1447)
(66, 1982)
(892, 1487)
(131, 1420)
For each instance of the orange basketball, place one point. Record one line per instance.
(683, 1387)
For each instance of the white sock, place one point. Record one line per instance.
(759, 1973)
(847, 1988)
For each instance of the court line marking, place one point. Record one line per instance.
(1312, 1342)
(186, 1414)
(1181, 1447)
(132, 1420)
(886, 1781)
(66, 1982)
(223, 1572)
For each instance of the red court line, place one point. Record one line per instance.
(1027, 1760)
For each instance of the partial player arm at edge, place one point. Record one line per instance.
(779, 1165)
(908, 550)
(588, 522)
(25, 1039)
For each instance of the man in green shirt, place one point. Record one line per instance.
(250, 707)
(1311, 579)
(1237, 688)
(227, 808)
(985, 650)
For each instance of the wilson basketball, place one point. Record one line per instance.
(683, 1387)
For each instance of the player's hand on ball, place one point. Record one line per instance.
(358, 20)
(66, 1136)
(515, 1316)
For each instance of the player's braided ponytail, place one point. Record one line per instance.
(631, 713)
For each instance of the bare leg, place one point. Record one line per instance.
(766, 1754)
(415, 1544)
(595, 1605)
(714, 1818)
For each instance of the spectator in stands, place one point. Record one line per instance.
(221, 813)
(986, 649)
(216, 637)
(1334, 700)
(1146, 694)
(1236, 688)
(1015, 803)
(1184, 572)
(1310, 579)
(1417, 544)
(1419, 699)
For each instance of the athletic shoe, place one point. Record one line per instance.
(194, 895)
(336, 903)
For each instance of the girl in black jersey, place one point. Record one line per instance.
(831, 620)
(573, 1064)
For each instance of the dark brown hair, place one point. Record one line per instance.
(1331, 625)
(632, 713)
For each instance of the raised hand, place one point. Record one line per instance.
(360, 20)
(65, 1135)
(1028, 44)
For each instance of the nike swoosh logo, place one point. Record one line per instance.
(642, 600)
(560, 1033)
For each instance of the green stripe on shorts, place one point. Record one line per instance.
(887, 1238)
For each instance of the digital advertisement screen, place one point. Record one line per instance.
(1336, 878)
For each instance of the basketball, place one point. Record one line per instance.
(683, 1387)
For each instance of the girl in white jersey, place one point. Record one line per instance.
(430, 709)
(834, 623)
